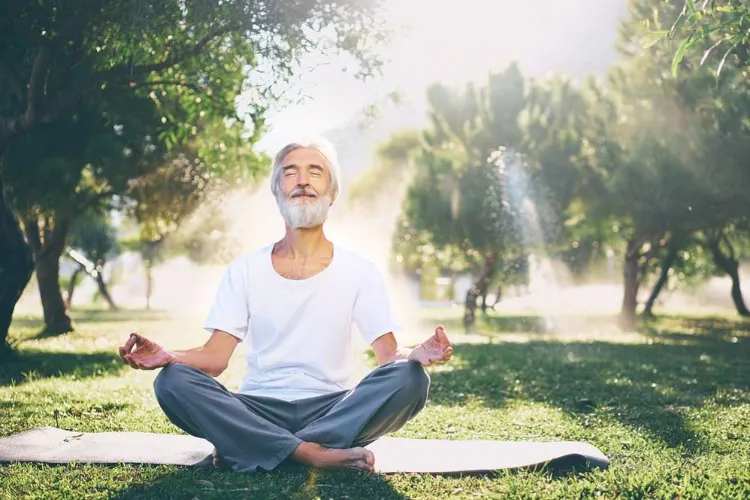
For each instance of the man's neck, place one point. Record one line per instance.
(303, 243)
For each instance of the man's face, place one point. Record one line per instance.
(304, 198)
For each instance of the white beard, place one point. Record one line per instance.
(304, 212)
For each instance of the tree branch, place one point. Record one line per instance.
(729, 245)
(9, 127)
(37, 85)
(31, 228)
(124, 71)
(178, 83)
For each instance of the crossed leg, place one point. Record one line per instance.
(251, 432)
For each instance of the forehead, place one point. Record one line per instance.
(305, 157)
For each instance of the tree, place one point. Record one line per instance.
(18, 265)
(177, 207)
(650, 153)
(722, 243)
(711, 114)
(81, 164)
(56, 58)
(553, 124)
(456, 201)
(93, 243)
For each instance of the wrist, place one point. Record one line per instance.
(403, 353)
(172, 357)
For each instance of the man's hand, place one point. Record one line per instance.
(436, 349)
(147, 355)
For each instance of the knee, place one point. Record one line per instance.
(413, 379)
(172, 379)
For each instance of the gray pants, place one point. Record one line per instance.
(251, 432)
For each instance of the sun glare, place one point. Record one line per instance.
(437, 41)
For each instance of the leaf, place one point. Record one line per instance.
(676, 23)
(679, 55)
(651, 38)
(708, 51)
(724, 59)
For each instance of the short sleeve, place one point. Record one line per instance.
(373, 313)
(230, 310)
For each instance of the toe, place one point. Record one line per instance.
(363, 465)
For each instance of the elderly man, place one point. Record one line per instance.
(294, 302)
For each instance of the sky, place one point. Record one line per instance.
(451, 42)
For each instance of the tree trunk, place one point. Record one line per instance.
(470, 306)
(730, 265)
(72, 286)
(478, 289)
(104, 291)
(498, 295)
(669, 261)
(149, 283)
(47, 252)
(631, 283)
(56, 318)
(16, 266)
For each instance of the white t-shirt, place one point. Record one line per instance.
(298, 333)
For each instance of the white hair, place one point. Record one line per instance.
(322, 146)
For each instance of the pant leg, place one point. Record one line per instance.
(381, 403)
(248, 432)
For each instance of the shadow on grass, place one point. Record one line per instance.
(120, 315)
(286, 482)
(29, 365)
(83, 316)
(31, 322)
(496, 323)
(643, 386)
(709, 326)
(493, 323)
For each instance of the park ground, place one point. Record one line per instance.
(669, 404)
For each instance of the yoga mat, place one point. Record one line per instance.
(437, 456)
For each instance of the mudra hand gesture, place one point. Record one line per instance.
(144, 354)
(436, 349)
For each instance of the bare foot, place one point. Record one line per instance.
(330, 458)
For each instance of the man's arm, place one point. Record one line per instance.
(436, 349)
(387, 350)
(212, 357)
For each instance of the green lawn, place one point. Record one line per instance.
(670, 406)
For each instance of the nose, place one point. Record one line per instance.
(302, 178)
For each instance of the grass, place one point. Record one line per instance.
(669, 404)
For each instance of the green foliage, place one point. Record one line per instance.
(95, 236)
(456, 212)
(673, 157)
(194, 49)
(716, 31)
(723, 25)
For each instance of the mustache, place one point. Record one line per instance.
(301, 191)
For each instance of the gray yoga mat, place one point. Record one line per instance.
(438, 456)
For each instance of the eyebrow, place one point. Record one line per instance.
(294, 165)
